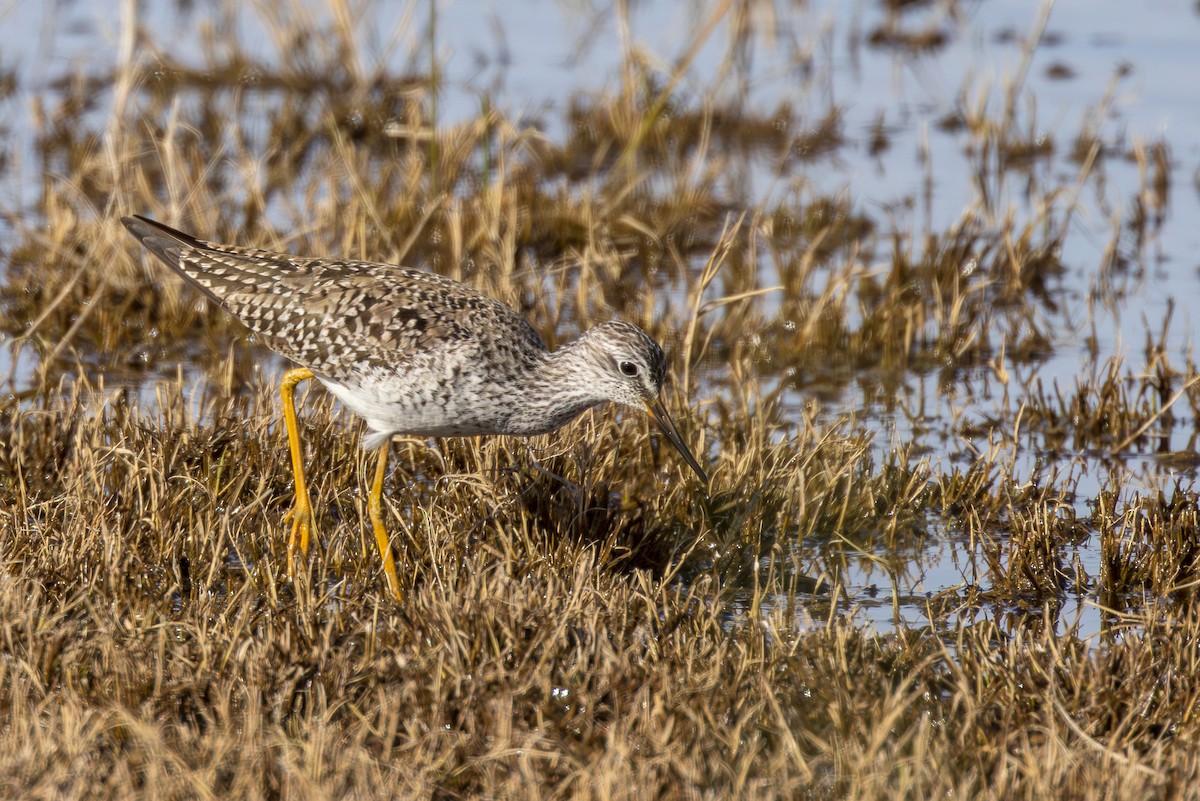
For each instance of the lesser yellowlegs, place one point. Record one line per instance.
(413, 353)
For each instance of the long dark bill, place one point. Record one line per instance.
(659, 413)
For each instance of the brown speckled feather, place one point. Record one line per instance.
(336, 317)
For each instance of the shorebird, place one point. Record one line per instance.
(411, 352)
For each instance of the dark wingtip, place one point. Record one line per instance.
(162, 240)
(145, 228)
(139, 226)
(170, 247)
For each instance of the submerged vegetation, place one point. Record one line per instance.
(582, 620)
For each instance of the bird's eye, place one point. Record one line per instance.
(629, 368)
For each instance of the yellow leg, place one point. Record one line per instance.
(301, 514)
(375, 509)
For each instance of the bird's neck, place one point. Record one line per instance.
(558, 390)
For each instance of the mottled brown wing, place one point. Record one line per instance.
(338, 318)
(333, 316)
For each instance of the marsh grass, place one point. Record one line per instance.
(582, 620)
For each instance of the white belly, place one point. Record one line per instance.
(426, 405)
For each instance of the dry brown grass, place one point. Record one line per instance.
(617, 634)
(152, 650)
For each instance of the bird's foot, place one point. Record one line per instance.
(300, 517)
